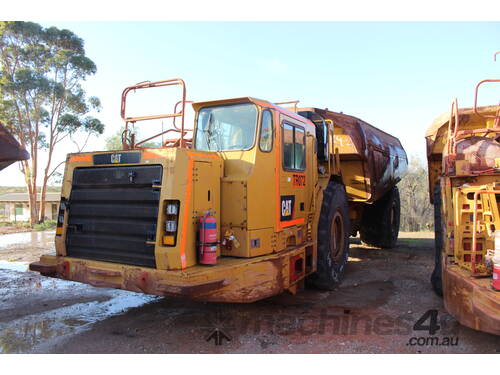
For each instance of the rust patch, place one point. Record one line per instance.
(190, 290)
(102, 272)
(63, 270)
(263, 285)
(105, 284)
(79, 272)
(470, 301)
(44, 269)
(244, 282)
(141, 281)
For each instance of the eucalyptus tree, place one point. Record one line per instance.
(417, 213)
(42, 100)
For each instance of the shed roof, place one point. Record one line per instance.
(23, 197)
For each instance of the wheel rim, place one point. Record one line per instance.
(337, 236)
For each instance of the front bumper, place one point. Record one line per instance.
(471, 300)
(232, 280)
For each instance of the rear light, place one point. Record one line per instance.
(60, 216)
(169, 240)
(171, 222)
(172, 208)
(171, 226)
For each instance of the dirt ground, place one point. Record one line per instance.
(374, 311)
(6, 229)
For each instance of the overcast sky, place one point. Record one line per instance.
(397, 76)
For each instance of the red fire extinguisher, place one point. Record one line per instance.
(207, 249)
(495, 282)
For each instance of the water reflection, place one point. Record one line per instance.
(23, 335)
(20, 338)
(36, 239)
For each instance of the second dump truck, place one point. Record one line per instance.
(463, 153)
(266, 195)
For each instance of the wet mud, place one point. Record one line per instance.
(373, 311)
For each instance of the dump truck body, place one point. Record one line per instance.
(372, 162)
(464, 186)
(131, 219)
(10, 150)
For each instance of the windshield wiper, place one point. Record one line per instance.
(207, 132)
(212, 134)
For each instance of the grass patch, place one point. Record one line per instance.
(47, 224)
(23, 224)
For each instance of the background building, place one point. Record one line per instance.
(15, 206)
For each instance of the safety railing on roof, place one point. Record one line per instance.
(294, 102)
(128, 140)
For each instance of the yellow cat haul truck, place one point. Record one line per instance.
(256, 201)
(463, 153)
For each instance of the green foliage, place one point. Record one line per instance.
(114, 142)
(417, 214)
(20, 224)
(42, 100)
(40, 80)
(47, 224)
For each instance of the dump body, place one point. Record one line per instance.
(10, 150)
(131, 219)
(464, 184)
(372, 162)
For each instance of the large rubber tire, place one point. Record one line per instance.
(380, 221)
(437, 273)
(333, 238)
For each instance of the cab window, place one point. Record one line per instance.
(266, 132)
(226, 127)
(294, 145)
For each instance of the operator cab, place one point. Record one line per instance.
(226, 127)
(268, 171)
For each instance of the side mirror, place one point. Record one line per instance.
(321, 134)
(322, 139)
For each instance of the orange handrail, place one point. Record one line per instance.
(475, 99)
(175, 111)
(452, 133)
(148, 84)
(294, 102)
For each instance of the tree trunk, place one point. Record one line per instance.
(33, 208)
(27, 171)
(46, 176)
(42, 199)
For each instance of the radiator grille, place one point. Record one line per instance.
(113, 213)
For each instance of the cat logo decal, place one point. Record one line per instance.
(287, 206)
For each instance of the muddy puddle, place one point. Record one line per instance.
(36, 331)
(26, 239)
